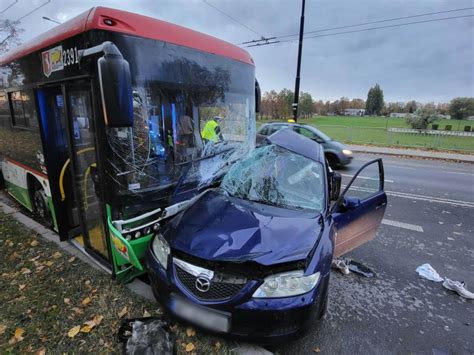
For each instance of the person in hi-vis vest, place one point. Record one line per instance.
(212, 131)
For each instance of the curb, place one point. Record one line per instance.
(458, 160)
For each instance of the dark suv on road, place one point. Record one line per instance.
(337, 154)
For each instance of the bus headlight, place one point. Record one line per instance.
(287, 284)
(161, 249)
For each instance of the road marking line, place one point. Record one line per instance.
(447, 201)
(366, 178)
(412, 227)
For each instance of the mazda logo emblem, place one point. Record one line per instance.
(203, 284)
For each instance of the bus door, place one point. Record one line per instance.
(69, 134)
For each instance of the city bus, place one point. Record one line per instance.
(100, 127)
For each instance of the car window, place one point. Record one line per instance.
(275, 176)
(367, 183)
(308, 134)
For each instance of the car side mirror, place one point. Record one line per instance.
(258, 97)
(116, 90)
(335, 185)
(350, 203)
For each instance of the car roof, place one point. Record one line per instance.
(296, 143)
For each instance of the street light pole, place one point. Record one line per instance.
(298, 66)
(50, 19)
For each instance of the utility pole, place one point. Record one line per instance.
(298, 67)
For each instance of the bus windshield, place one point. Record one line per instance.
(189, 107)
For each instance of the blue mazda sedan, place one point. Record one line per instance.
(252, 256)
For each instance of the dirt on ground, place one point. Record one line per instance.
(53, 302)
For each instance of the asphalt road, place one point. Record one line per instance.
(429, 219)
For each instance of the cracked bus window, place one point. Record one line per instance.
(193, 112)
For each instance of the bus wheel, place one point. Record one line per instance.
(40, 205)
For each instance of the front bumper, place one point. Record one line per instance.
(345, 159)
(262, 320)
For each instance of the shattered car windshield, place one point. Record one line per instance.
(193, 112)
(276, 176)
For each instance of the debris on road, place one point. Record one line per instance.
(339, 264)
(359, 268)
(459, 288)
(146, 336)
(345, 266)
(426, 271)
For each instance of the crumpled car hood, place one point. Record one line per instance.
(222, 228)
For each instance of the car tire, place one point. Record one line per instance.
(40, 206)
(333, 161)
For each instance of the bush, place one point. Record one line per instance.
(422, 118)
(448, 127)
(467, 128)
(435, 127)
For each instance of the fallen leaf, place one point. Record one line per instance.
(21, 287)
(190, 332)
(25, 271)
(73, 331)
(39, 268)
(86, 301)
(67, 301)
(77, 310)
(2, 328)
(123, 312)
(72, 259)
(217, 345)
(86, 328)
(87, 283)
(18, 336)
(34, 243)
(10, 243)
(146, 314)
(35, 258)
(49, 263)
(317, 350)
(97, 320)
(190, 347)
(41, 352)
(57, 255)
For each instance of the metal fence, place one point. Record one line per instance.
(399, 138)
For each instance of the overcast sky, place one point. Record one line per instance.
(427, 62)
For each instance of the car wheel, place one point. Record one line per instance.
(332, 160)
(40, 205)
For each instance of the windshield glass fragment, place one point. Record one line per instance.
(275, 176)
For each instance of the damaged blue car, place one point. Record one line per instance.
(251, 257)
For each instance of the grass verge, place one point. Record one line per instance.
(46, 294)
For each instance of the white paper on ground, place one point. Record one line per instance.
(427, 272)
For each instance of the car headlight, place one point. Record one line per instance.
(287, 284)
(161, 249)
(346, 152)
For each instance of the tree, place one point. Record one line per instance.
(395, 107)
(374, 103)
(9, 35)
(461, 107)
(306, 108)
(423, 117)
(411, 106)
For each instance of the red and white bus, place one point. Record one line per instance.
(100, 127)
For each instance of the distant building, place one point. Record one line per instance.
(354, 112)
(398, 114)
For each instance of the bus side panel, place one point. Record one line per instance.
(21, 152)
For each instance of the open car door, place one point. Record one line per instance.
(359, 210)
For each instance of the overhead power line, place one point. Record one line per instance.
(234, 19)
(364, 30)
(32, 11)
(363, 24)
(5, 9)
